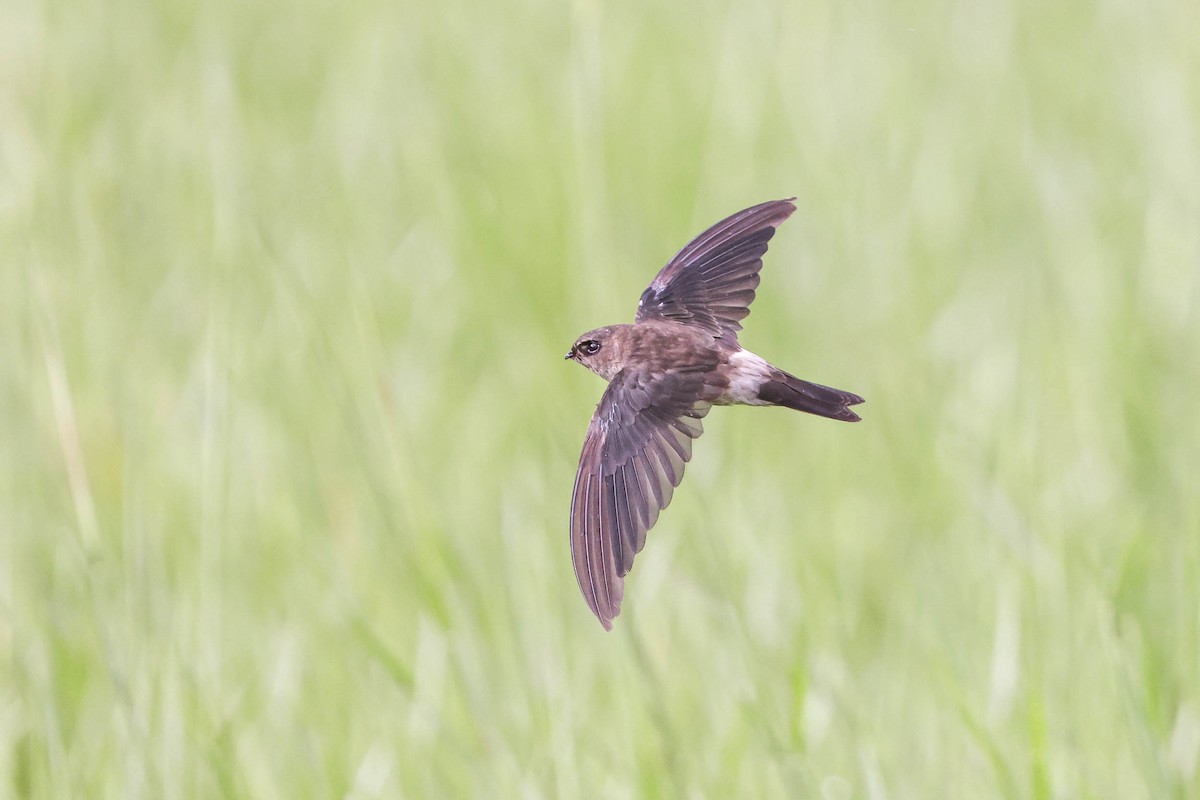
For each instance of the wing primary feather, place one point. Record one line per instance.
(612, 533)
(743, 253)
(603, 550)
(734, 281)
(769, 213)
(589, 572)
(612, 494)
(628, 533)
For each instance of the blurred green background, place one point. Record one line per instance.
(289, 440)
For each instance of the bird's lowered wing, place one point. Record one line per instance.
(633, 458)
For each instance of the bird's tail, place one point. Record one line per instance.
(782, 389)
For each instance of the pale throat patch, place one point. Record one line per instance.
(748, 374)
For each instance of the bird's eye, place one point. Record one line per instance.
(590, 347)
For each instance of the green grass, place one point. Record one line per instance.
(289, 440)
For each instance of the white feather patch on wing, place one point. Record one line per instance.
(748, 373)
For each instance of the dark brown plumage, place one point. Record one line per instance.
(679, 358)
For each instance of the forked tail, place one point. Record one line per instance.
(787, 390)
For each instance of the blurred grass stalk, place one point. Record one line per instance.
(284, 486)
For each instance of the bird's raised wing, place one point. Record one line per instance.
(633, 457)
(711, 282)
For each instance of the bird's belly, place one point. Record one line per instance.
(747, 373)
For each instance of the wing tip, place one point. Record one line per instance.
(607, 614)
(787, 207)
(605, 608)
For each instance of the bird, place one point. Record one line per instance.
(678, 359)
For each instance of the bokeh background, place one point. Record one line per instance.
(289, 441)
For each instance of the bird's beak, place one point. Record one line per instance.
(569, 355)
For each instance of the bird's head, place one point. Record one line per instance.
(599, 351)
